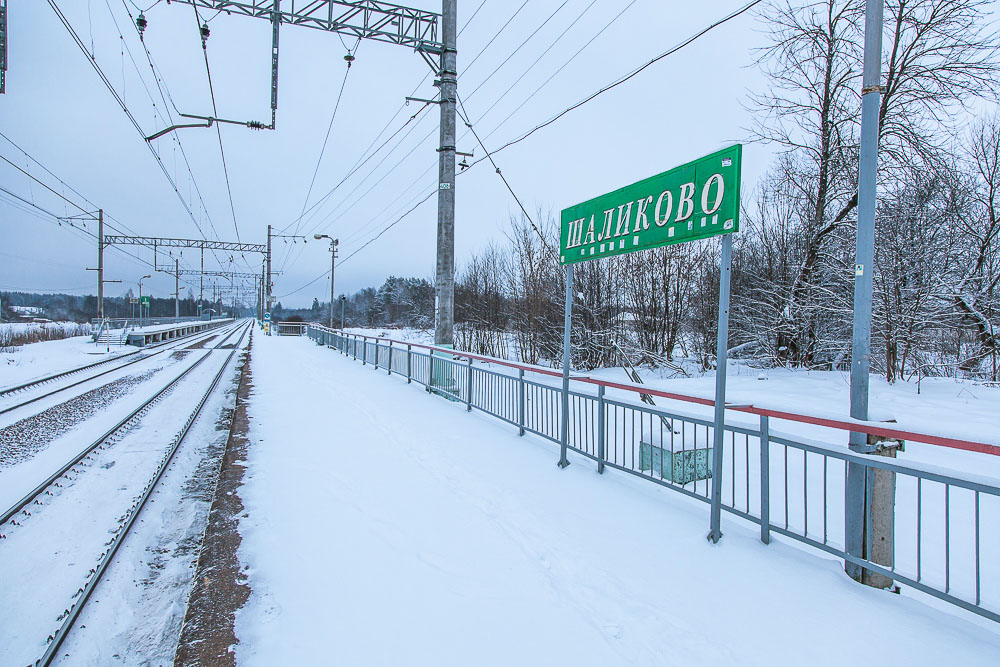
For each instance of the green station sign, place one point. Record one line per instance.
(145, 301)
(697, 200)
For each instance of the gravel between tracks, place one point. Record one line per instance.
(23, 439)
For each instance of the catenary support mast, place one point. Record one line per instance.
(444, 320)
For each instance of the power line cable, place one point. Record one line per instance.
(218, 126)
(627, 77)
(93, 62)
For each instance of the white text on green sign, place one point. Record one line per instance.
(694, 201)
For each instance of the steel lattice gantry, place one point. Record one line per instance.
(395, 24)
(156, 242)
(367, 19)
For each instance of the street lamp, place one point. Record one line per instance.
(333, 259)
(140, 297)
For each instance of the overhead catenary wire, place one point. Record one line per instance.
(218, 131)
(128, 113)
(489, 154)
(745, 8)
(326, 139)
(164, 91)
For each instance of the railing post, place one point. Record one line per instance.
(376, 354)
(364, 351)
(354, 348)
(430, 372)
(468, 386)
(520, 401)
(600, 429)
(765, 481)
(388, 365)
(408, 379)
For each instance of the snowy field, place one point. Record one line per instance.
(423, 534)
(41, 359)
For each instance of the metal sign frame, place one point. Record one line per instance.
(604, 227)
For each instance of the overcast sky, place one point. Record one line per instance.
(58, 110)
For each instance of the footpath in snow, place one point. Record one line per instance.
(387, 526)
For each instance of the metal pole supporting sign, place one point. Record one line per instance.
(725, 268)
(567, 362)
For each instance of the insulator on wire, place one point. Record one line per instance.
(205, 32)
(141, 24)
(349, 58)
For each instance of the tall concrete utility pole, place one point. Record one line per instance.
(333, 265)
(100, 263)
(267, 282)
(444, 279)
(201, 282)
(871, 94)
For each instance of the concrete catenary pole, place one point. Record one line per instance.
(100, 263)
(444, 312)
(865, 240)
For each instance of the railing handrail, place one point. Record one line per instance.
(867, 427)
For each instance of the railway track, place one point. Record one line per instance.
(21, 511)
(132, 358)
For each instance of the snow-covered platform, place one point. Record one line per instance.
(155, 334)
(388, 526)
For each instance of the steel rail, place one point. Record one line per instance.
(185, 340)
(7, 391)
(117, 430)
(133, 513)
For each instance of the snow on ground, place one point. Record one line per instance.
(46, 559)
(136, 614)
(387, 526)
(40, 359)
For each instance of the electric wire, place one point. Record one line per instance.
(745, 8)
(164, 91)
(365, 154)
(218, 130)
(489, 154)
(93, 62)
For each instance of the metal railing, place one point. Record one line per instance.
(291, 328)
(786, 484)
(122, 322)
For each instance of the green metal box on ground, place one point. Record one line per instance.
(680, 467)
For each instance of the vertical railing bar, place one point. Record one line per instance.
(520, 407)
(765, 480)
(746, 458)
(805, 493)
(600, 428)
(826, 499)
(732, 467)
(408, 364)
(892, 523)
(978, 587)
(869, 492)
(388, 366)
(947, 538)
(468, 387)
(785, 499)
(919, 523)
